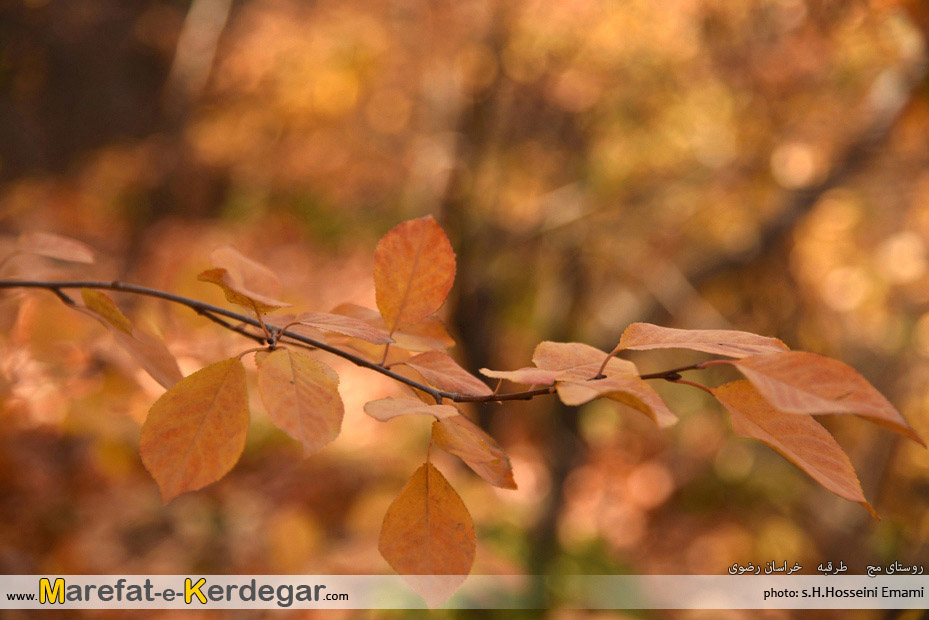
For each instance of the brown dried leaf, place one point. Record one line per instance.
(195, 432)
(459, 436)
(427, 532)
(389, 408)
(345, 325)
(801, 382)
(414, 268)
(799, 438)
(626, 389)
(442, 372)
(301, 396)
(54, 246)
(642, 336)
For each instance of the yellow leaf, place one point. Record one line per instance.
(100, 304)
(460, 436)
(388, 408)
(428, 532)
(54, 246)
(626, 389)
(195, 432)
(798, 437)
(442, 372)
(414, 268)
(642, 336)
(801, 382)
(301, 396)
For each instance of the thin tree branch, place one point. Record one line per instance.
(214, 313)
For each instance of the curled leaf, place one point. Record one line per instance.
(244, 282)
(301, 396)
(460, 436)
(642, 336)
(414, 268)
(799, 438)
(195, 432)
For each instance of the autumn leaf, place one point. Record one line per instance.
(524, 376)
(344, 325)
(100, 304)
(146, 348)
(301, 396)
(642, 336)
(797, 437)
(388, 408)
(460, 436)
(442, 372)
(427, 532)
(54, 246)
(195, 432)
(801, 382)
(427, 335)
(244, 281)
(626, 389)
(414, 268)
(575, 360)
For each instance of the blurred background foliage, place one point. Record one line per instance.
(758, 165)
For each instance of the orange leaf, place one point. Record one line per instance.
(301, 396)
(799, 438)
(345, 325)
(641, 336)
(800, 382)
(626, 389)
(195, 432)
(100, 304)
(244, 281)
(442, 372)
(54, 246)
(575, 360)
(147, 349)
(388, 408)
(414, 268)
(428, 532)
(524, 376)
(427, 335)
(460, 436)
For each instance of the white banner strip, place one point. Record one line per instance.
(474, 592)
